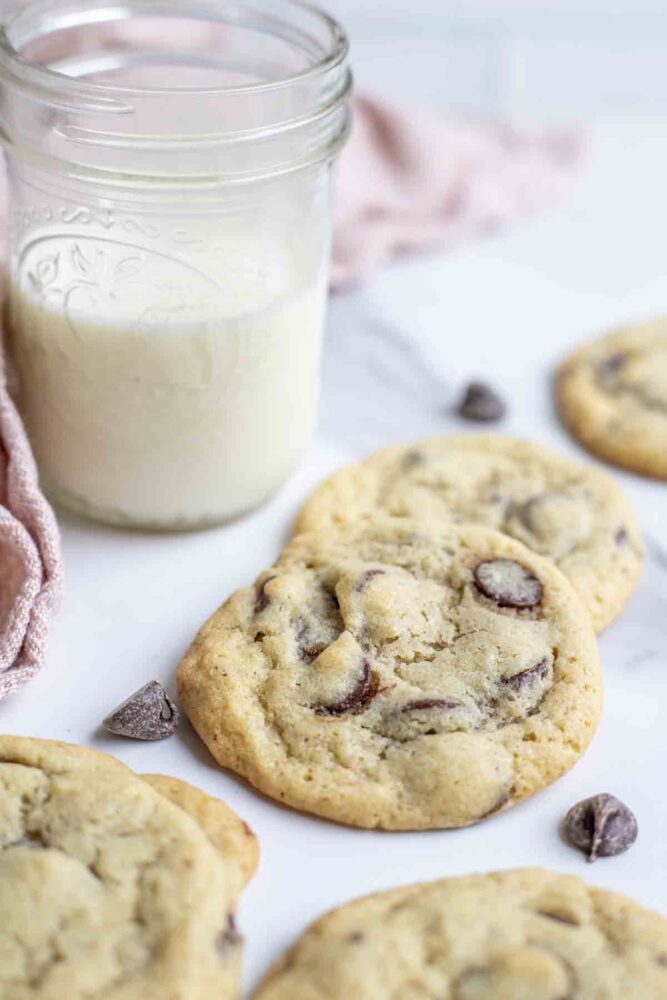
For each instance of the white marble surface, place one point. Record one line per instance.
(397, 355)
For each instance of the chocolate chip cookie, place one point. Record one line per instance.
(612, 394)
(527, 934)
(571, 513)
(398, 674)
(112, 886)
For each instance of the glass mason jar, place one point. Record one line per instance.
(169, 238)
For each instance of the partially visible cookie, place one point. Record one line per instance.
(612, 394)
(527, 934)
(571, 513)
(398, 674)
(226, 831)
(108, 890)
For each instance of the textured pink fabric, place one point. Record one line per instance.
(30, 562)
(412, 181)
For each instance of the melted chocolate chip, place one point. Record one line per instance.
(522, 682)
(481, 403)
(601, 826)
(559, 918)
(308, 649)
(425, 704)
(148, 714)
(263, 600)
(621, 536)
(366, 578)
(412, 458)
(355, 937)
(611, 365)
(359, 698)
(508, 583)
(230, 937)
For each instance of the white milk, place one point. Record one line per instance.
(165, 391)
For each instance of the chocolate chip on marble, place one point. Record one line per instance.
(148, 714)
(601, 826)
(526, 679)
(481, 403)
(230, 937)
(358, 699)
(508, 583)
(366, 578)
(263, 600)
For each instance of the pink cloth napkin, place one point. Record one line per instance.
(30, 561)
(406, 182)
(412, 181)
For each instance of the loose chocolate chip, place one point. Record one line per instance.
(366, 578)
(230, 937)
(263, 600)
(525, 680)
(359, 698)
(508, 584)
(148, 714)
(481, 403)
(601, 827)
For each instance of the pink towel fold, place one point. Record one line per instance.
(30, 561)
(412, 181)
(406, 181)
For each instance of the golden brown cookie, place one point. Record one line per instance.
(398, 674)
(570, 513)
(612, 394)
(108, 890)
(528, 934)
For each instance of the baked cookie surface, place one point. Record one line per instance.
(109, 890)
(527, 934)
(568, 512)
(612, 394)
(398, 674)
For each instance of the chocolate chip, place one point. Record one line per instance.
(355, 937)
(148, 714)
(611, 365)
(621, 536)
(424, 704)
(526, 679)
(263, 600)
(508, 583)
(559, 918)
(359, 698)
(600, 827)
(308, 648)
(230, 937)
(412, 458)
(481, 403)
(366, 578)
(662, 960)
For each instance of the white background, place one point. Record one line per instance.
(397, 354)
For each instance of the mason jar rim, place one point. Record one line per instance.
(27, 74)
